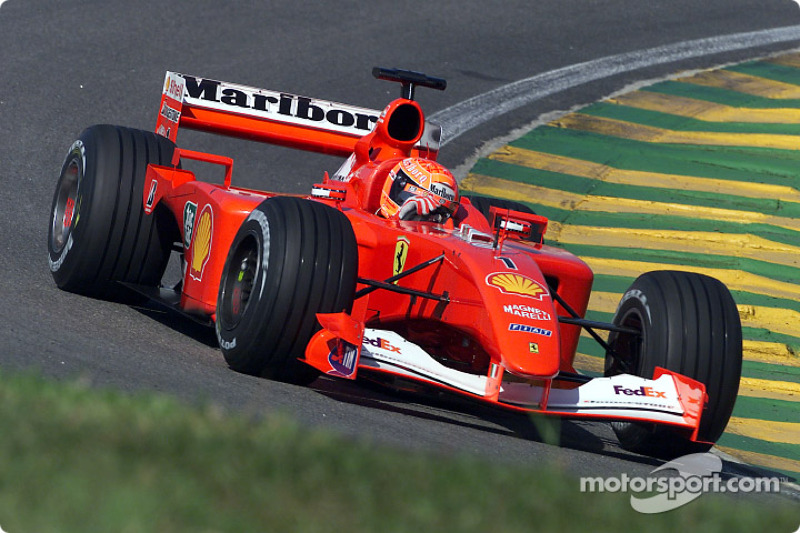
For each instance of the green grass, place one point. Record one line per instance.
(80, 459)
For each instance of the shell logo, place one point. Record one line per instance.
(201, 243)
(517, 284)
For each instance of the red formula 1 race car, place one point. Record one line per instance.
(384, 270)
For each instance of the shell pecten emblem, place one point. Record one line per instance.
(201, 243)
(516, 284)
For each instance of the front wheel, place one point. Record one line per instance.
(689, 324)
(291, 258)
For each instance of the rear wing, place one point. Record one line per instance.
(268, 116)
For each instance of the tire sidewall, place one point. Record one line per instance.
(69, 262)
(635, 307)
(636, 310)
(234, 339)
(58, 258)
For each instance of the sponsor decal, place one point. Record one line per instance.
(383, 344)
(400, 255)
(151, 197)
(172, 115)
(638, 295)
(171, 102)
(262, 221)
(641, 391)
(517, 284)
(444, 191)
(530, 329)
(526, 311)
(226, 345)
(173, 86)
(278, 106)
(201, 243)
(533, 347)
(421, 178)
(343, 358)
(189, 214)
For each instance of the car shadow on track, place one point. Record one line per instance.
(595, 438)
(448, 408)
(200, 332)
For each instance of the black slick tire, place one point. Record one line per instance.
(689, 324)
(290, 259)
(99, 233)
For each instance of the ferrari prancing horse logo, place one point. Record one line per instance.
(400, 255)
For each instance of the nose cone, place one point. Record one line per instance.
(525, 322)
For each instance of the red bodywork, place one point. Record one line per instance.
(496, 313)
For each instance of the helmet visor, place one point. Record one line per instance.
(403, 188)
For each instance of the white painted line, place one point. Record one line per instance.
(464, 116)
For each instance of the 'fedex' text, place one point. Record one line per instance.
(383, 344)
(641, 391)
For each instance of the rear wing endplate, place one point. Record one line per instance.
(268, 116)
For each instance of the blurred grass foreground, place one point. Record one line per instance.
(78, 459)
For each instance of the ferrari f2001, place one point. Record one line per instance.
(384, 270)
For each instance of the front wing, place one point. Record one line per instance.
(668, 399)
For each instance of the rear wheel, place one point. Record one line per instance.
(99, 233)
(291, 258)
(689, 324)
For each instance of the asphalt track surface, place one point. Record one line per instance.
(67, 65)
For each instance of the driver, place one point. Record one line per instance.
(419, 189)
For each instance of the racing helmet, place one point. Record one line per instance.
(419, 189)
